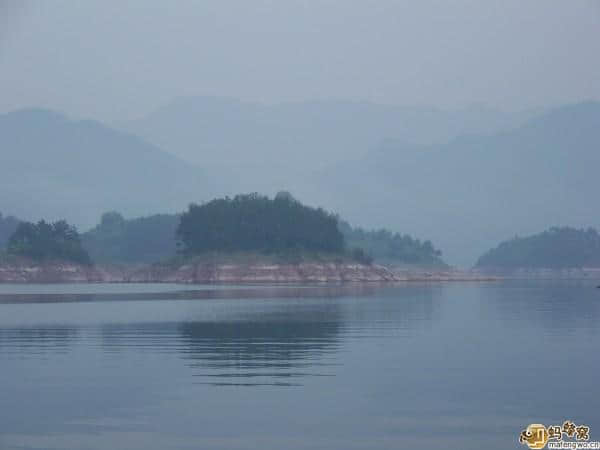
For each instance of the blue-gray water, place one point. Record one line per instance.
(454, 365)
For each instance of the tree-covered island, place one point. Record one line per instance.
(245, 230)
(252, 223)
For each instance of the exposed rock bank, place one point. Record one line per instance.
(263, 273)
(204, 272)
(55, 272)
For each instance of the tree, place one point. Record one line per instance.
(257, 223)
(48, 241)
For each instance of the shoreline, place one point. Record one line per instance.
(228, 273)
(256, 272)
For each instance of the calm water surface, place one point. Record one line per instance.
(455, 365)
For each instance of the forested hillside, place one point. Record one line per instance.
(140, 240)
(555, 248)
(387, 247)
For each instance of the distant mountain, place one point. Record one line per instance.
(477, 189)
(221, 131)
(54, 167)
(557, 248)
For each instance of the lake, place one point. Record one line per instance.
(441, 365)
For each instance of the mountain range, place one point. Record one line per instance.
(312, 134)
(474, 191)
(54, 167)
(465, 180)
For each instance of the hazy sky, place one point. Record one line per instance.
(119, 59)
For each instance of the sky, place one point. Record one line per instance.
(119, 60)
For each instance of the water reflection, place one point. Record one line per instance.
(277, 345)
(37, 340)
(24, 294)
(458, 365)
(259, 353)
(555, 306)
(260, 336)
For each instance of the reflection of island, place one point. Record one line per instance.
(278, 343)
(245, 336)
(260, 352)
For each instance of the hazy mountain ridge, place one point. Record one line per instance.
(55, 167)
(216, 130)
(475, 190)
(463, 194)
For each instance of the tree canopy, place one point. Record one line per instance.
(393, 248)
(257, 223)
(558, 247)
(48, 241)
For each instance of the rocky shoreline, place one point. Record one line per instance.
(305, 272)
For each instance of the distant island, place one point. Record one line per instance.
(556, 248)
(243, 238)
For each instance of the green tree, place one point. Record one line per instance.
(257, 223)
(48, 241)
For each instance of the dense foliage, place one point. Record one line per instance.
(257, 223)
(391, 248)
(48, 241)
(143, 240)
(8, 225)
(555, 248)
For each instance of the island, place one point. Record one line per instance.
(245, 238)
